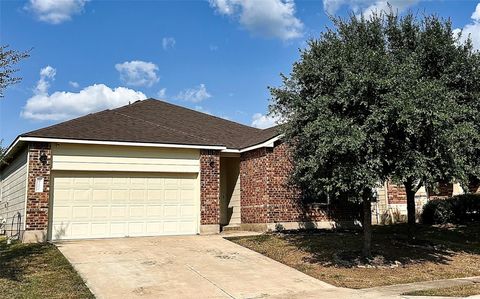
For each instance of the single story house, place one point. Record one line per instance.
(147, 169)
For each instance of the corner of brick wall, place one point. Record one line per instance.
(210, 186)
(36, 217)
(267, 196)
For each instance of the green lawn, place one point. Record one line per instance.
(334, 256)
(38, 271)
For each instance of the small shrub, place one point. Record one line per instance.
(457, 210)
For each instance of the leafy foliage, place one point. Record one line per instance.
(9, 58)
(386, 97)
(457, 210)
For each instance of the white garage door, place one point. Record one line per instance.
(102, 205)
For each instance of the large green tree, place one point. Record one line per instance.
(379, 98)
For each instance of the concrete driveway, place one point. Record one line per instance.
(188, 267)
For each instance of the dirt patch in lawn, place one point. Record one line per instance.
(457, 291)
(38, 271)
(334, 256)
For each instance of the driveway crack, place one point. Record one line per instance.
(213, 283)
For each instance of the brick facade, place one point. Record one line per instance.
(396, 194)
(36, 217)
(210, 187)
(268, 197)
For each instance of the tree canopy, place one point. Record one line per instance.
(378, 98)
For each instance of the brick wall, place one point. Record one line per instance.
(210, 186)
(396, 194)
(36, 217)
(268, 197)
(253, 186)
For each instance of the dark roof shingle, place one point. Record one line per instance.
(154, 121)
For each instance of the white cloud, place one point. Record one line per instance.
(46, 74)
(262, 121)
(471, 30)
(138, 73)
(62, 105)
(271, 18)
(73, 84)
(194, 95)
(162, 93)
(55, 11)
(367, 7)
(168, 43)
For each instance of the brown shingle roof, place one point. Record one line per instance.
(156, 121)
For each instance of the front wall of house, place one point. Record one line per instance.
(13, 187)
(66, 159)
(268, 198)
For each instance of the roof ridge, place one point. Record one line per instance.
(159, 125)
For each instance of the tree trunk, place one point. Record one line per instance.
(411, 212)
(367, 224)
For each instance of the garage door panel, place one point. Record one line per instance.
(155, 194)
(136, 211)
(138, 195)
(100, 229)
(154, 227)
(80, 229)
(100, 212)
(155, 211)
(136, 228)
(102, 204)
(118, 229)
(186, 226)
(81, 212)
(82, 194)
(101, 195)
(172, 195)
(64, 212)
(171, 211)
(187, 211)
(187, 196)
(120, 195)
(118, 211)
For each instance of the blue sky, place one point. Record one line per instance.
(215, 56)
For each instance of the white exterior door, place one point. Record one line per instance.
(109, 204)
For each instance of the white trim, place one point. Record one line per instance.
(26, 191)
(224, 149)
(11, 147)
(268, 143)
(97, 142)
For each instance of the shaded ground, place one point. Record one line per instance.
(38, 271)
(458, 291)
(334, 257)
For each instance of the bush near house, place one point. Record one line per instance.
(457, 210)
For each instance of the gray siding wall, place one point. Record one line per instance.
(13, 187)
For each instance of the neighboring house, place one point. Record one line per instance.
(391, 202)
(151, 168)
